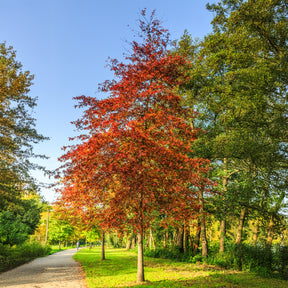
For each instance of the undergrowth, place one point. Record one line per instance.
(262, 260)
(14, 256)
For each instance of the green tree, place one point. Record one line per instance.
(17, 129)
(17, 224)
(238, 84)
(60, 230)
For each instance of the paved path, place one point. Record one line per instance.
(56, 270)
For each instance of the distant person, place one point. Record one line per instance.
(77, 245)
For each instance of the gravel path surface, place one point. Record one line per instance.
(56, 270)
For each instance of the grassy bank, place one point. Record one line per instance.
(119, 270)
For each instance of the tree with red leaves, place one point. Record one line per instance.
(134, 162)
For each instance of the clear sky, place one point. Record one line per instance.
(65, 44)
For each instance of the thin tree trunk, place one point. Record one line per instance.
(140, 265)
(164, 239)
(186, 238)
(129, 244)
(197, 236)
(240, 226)
(151, 239)
(204, 241)
(204, 238)
(103, 246)
(59, 244)
(175, 237)
(255, 233)
(133, 242)
(129, 241)
(223, 220)
(222, 235)
(90, 245)
(180, 239)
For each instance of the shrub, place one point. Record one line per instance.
(14, 256)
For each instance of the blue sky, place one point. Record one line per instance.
(65, 44)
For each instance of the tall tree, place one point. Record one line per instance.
(238, 83)
(133, 160)
(17, 128)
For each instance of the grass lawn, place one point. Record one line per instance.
(119, 270)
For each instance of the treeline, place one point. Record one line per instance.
(192, 141)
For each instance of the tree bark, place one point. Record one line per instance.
(165, 239)
(129, 241)
(133, 242)
(180, 239)
(186, 238)
(240, 226)
(103, 246)
(140, 264)
(151, 239)
(223, 220)
(204, 241)
(197, 236)
(128, 244)
(222, 236)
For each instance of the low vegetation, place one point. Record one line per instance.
(13, 256)
(119, 270)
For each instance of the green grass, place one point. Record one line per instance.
(119, 270)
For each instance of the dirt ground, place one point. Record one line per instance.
(57, 270)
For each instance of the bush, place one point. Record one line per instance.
(261, 260)
(168, 253)
(14, 256)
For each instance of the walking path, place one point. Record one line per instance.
(57, 270)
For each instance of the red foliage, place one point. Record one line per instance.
(133, 162)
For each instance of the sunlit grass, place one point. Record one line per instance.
(119, 270)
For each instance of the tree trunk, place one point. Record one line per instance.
(90, 246)
(186, 238)
(222, 236)
(165, 239)
(59, 244)
(204, 241)
(180, 239)
(175, 237)
(204, 238)
(129, 241)
(270, 227)
(133, 242)
(151, 239)
(223, 220)
(240, 226)
(129, 244)
(103, 246)
(255, 233)
(140, 265)
(197, 236)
